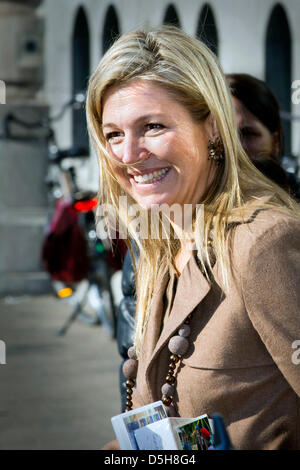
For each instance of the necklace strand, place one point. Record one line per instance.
(178, 346)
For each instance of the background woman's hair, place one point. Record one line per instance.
(191, 73)
(258, 98)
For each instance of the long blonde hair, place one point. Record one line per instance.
(186, 67)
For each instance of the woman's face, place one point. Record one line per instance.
(143, 123)
(255, 137)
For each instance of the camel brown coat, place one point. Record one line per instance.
(240, 362)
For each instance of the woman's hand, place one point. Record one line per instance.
(112, 445)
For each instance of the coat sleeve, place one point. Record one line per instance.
(271, 291)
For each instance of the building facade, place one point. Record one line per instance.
(49, 48)
(258, 37)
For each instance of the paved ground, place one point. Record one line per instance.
(55, 392)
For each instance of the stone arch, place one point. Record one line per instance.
(207, 29)
(171, 16)
(80, 75)
(111, 28)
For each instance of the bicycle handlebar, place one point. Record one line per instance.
(72, 152)
(76, 102)
(9, 118)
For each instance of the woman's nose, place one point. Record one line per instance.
(132, 151)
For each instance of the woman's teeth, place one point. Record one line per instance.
(151, 177)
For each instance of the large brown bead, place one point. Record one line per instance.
(168, 389)
(178, 345)
(130, 368)
(131, 353)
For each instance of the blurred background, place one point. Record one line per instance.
(59, 387)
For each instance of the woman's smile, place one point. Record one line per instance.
(150, 178)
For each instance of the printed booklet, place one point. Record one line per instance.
(149, 428)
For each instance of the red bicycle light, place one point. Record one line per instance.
(86, 206)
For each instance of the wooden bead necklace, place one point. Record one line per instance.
(178, 346)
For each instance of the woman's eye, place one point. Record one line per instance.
(154, 126)
(247, 133)
(113, 136)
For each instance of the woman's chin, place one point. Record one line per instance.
(154, 203)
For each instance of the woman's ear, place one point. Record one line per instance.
(211, 127)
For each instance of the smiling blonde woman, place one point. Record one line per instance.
(216, 318)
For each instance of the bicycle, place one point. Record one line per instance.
(89, 292)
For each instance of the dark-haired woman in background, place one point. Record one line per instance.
(258, 119)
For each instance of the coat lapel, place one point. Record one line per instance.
(156, 316)
(191, 289)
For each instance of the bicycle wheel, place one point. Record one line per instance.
(100, 301)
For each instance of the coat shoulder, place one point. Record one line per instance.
(267, 222)
(270, 231)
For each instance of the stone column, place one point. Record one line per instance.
(23, 156)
